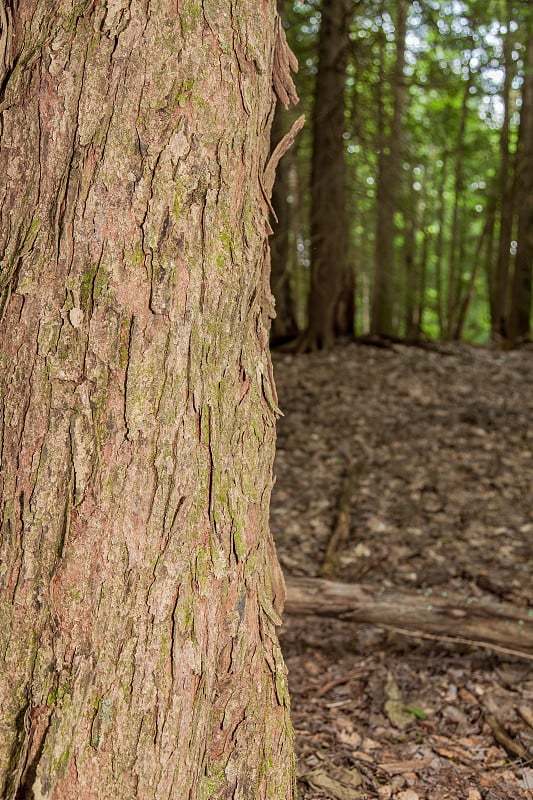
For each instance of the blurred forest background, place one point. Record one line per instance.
(405, 206)
(405, 215)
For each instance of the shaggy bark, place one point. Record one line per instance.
(139, 584)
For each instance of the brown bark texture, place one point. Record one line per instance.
(139, 584)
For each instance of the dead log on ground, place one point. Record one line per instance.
(498, 626)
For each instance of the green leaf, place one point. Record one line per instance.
(419, 713)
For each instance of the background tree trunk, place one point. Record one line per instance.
(139, 584)
(520, 314)
(329, 234)
(502, 293)
(411, 265)
(284, 325)
(439, 251)
(454, 270)
(388, 184)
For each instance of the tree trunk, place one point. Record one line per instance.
(284, 325)
(139, 584)
(520, 314)
(388, 182)
(329, 237)
(412, 267)
(483, 245)
(455, 266)
(423, 258)
(439, 250)
(502, 292)
(344, 317)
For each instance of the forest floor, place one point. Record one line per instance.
(442, 441)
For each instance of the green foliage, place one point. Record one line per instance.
(419, 713)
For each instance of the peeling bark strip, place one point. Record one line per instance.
(284, 62)
(6, 24)
(279, 151)
(139, 584)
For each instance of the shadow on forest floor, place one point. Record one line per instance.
(443, 442)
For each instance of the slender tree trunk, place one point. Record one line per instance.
(422, 279)
(388, 180)
(297, 249)
(329, 239)
(139, 584)
(520, 314)
(489, 265)
(439, 251)
(424, 255)
(482, 245)
(454, 274)
(502, 291)
(411, 268)
(382, 295)
(284, 325)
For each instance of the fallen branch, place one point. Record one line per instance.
(511, 747)
(499, 626)
(341, 531)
